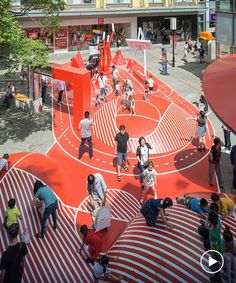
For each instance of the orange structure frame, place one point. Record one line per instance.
(81, 85)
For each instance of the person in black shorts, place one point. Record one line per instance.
(12, 259)
(121, 140)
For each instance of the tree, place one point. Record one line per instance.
(15, 47)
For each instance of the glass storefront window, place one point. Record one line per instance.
(157, 29)
(80, 37)
(224, 5)
(47, 36)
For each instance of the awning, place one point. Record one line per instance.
(219, 84)
(206, 35)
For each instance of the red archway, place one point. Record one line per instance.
(81, 84)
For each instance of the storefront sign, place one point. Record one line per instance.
(212, 17)
(96, 31)
(61, 38)
(101, 21)
(89, 36)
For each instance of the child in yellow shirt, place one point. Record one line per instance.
(227, 206)
(11, 214)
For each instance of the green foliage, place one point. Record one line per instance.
(15, 47)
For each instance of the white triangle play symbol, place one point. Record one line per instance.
(211, 261)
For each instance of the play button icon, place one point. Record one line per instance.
(212, 261)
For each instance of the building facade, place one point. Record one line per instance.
(225, 27)
(83, 20)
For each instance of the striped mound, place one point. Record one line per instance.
(54, 259)
(157, 254)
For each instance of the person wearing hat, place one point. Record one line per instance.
(97, 190)
(12, 262)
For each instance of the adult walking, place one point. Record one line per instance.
(85, 126)
(45, 193)
(44, 89)
(233, 162)
(97, 190)
(12, 262)
(151, 209)
(214, 162)
(121, 147)
(142, 154)
(227, 138)
(60, 90)
(102, 80)
(9, 94)
(115, 76)
(201, 54)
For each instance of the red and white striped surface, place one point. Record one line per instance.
(53, 259)
(145, 254)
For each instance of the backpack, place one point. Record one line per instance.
(150, 213)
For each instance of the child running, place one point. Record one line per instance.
(149, 179)
(146, 90)
(12, 214)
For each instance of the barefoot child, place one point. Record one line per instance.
(149, 179)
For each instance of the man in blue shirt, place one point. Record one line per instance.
(198, 205)
(45, 193)
(233, 162)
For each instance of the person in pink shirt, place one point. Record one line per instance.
(60, 89)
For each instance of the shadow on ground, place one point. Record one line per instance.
(16, 125)
(195, 68)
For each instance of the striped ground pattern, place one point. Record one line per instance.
(173, 132)
(157, 254)
(145, 254)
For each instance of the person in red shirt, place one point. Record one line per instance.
(92, 244)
